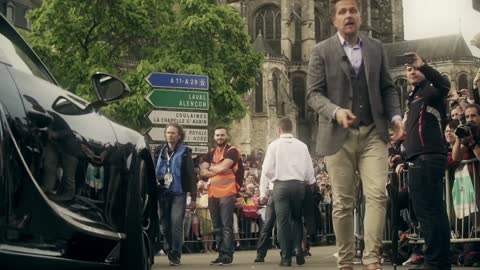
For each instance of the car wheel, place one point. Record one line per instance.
(135, 250)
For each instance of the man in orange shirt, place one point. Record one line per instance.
(219, 167)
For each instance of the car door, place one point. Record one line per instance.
(99, 162)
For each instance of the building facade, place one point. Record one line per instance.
(16, 10)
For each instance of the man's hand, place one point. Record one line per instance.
(193, 205)
(467, 141)
(398, 130)
(464, 93)
(417, 61)
(392, 160)
(263, 200)
(344, 117)
(217, 169)
(453, 94)
(399, 169)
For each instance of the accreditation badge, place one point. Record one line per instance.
(168, 179)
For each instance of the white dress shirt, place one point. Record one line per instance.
(354, 53)
(287, 158)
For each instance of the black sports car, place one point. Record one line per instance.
(76, 189)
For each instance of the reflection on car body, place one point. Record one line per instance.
(75, 187)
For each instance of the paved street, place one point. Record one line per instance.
(321, 259)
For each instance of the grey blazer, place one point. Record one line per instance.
(329, 86)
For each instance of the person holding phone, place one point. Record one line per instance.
(350, 87)
(426, 156)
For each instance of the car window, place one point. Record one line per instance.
(19, 59)
(78, 99)
(68, 107)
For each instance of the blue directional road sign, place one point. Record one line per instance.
(181, 81)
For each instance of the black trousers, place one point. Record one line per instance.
(425, 179)
(267, 228)
(288, 199)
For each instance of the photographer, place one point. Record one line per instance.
(476, 83)
(468, 135)
(467, 143)
(427, 159)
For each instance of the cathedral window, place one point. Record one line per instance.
(462, 81)
(259, 94)
(299, 96)
(10, 11)
(268, 23)
(322, 25)
(402, 86)
(276, 91)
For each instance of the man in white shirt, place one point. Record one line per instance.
(289, 166)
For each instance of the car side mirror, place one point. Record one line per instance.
(109, 88)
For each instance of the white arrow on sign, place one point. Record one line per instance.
(161, 117)
(191, 134)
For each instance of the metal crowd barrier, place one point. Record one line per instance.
(247, 230)
(462, 199)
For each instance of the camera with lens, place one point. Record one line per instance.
(466, 130)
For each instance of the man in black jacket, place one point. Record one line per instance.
(427, 159)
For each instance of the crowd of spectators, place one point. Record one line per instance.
(249, 213)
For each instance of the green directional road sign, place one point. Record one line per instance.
(178, 99)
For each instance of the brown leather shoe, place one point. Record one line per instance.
(372, 266)
(346, 268)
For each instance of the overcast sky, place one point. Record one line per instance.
(429, 18)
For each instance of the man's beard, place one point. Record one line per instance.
(222, 144)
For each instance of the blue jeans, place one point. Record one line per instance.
(221, 212)
(425, 179)
(174, 206)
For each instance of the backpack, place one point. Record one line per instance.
(239, 172)
(238, 168)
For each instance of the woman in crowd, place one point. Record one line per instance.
(204, 219)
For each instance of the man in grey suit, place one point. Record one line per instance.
(350, 88)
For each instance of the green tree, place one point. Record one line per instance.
(132, 38)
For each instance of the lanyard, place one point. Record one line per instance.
(169, 157)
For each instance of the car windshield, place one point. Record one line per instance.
(16, 53)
